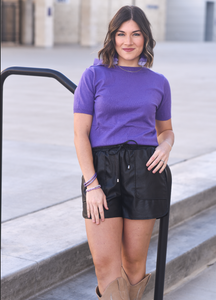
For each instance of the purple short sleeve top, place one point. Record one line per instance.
(124, 104)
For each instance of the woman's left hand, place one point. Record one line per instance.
(159, 159)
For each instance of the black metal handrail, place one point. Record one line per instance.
(164, 221)
(38, 72)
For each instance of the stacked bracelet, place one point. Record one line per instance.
(94, 188)
(87, 183)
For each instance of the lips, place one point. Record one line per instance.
(128, 49)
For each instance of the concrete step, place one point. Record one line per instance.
(191, 245)
(44, 248)
(199, 285)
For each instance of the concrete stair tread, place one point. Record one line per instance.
(200, 285)
(183, 239)
(32, 243)
(193, 176)
(35, 237)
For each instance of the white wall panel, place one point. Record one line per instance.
(115, 5)
(44, 33)
(66, 21)
(185, 20)
(155, 11)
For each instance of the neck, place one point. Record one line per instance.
(123, 63)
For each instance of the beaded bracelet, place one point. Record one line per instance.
(87, 183)
(94, 188)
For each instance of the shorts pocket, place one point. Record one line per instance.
(149, 186)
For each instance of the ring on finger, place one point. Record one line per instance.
(163, 161)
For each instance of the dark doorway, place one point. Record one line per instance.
(17, 22)
(9, 21)
(209, 22)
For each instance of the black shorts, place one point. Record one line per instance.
(131, 190)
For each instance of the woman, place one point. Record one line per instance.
(123, 137)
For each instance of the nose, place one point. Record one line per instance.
(128, 40)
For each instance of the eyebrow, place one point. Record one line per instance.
(132, 31)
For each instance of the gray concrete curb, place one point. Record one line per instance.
(184, 266)
(47, 273)
(53, 270)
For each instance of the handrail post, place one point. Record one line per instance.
(161, 258)
(1, 142)
(162, 245)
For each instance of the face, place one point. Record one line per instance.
(129, 43)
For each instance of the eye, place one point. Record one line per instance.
(136, 34)
(120, 34)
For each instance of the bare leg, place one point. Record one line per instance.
(135, 244)
(105, 242)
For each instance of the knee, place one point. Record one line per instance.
(135, 268)
(104, 265)
(133, 258)
(100, 262)
(133, 263)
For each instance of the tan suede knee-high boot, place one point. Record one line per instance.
(116, 290)
(136, 291)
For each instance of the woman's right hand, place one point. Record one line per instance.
(95, 199)
(96, 202)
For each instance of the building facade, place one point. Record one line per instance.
(44, 23)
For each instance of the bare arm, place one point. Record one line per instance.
(95, 199)
(165, 137)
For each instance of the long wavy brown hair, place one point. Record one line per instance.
(124, 14)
